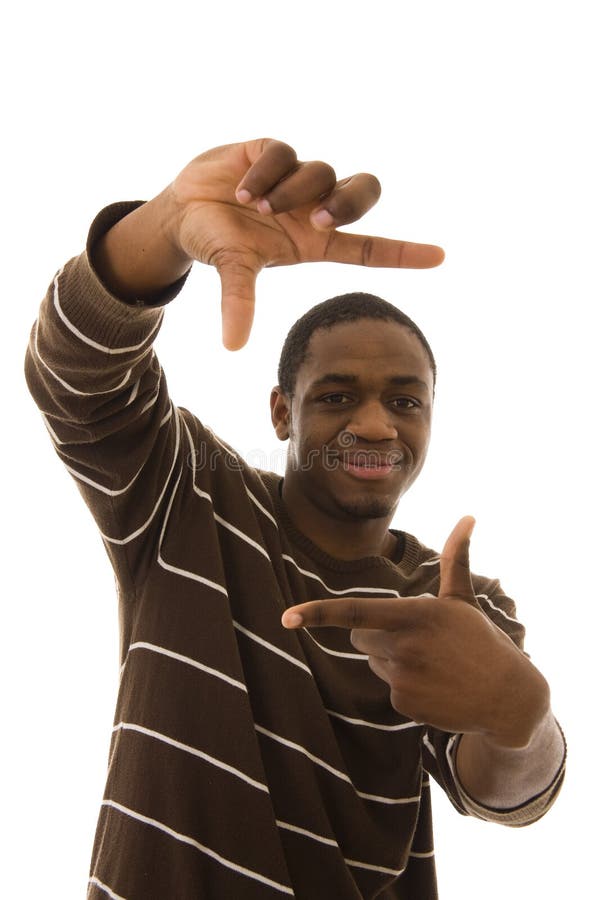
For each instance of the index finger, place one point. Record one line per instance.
(386, 614)
(383, 253)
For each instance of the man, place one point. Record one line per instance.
(292, 668)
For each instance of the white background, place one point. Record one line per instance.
(479, 119)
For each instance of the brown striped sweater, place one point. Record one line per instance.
(246, 761)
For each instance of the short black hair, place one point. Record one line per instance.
(341, 309)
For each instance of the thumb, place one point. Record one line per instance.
(238, 281)
(455, 574)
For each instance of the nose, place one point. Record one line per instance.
(372, 422)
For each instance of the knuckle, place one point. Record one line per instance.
(367, 251)
(355, 617)
(275, 161)
(346, 207)
(325, 173)
(302, 183)
(318, 615)
(372, 184)
(282, 152)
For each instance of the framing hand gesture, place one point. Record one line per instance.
(243, 207)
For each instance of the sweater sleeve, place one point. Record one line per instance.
(92, 370)
(439, 747)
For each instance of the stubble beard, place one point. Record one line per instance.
(367, 508)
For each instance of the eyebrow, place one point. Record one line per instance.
(340, 378)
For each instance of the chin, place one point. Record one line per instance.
(368, 507)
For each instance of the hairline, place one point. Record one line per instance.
(379, 318)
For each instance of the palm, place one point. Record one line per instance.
(216, 229)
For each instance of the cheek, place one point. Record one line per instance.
(417, 436)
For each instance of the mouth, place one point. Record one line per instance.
(368, 465)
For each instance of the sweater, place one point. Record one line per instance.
(246, 760)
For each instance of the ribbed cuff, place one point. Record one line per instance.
(88, 305)
(103, 222)
(524, 814)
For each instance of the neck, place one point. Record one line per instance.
(341, 537)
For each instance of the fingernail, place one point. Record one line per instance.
(243, 196)
(322, 219)
(291, 620)
(264, 207)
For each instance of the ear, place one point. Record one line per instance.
(280, 413)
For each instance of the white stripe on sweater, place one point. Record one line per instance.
(261, 507)
(356, 589)
(55, 438)
(84, 478)
(328, 650)
(248, 491)
(155, 648)
(179, 657)
(372, 868)
(272, 648)
(134, 393)
(193, 751)
(429, 745)
(207, 496)
(331, 843)
(185, 839)
(324, 765)
(241, 535)
(185, 573)
(100, 487)
(150, 402)
(86, 340)
(497, 608)
(69, 387)
(103, 887)
(401, 727)
(130, 537)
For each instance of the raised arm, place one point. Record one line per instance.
(90, 363)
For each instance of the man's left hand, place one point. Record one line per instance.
(445, 661)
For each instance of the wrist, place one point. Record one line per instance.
(140, 257)
(528, 718)
(169, 213)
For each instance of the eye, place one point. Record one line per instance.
(331, 398)
(406, 403)
(400, 402)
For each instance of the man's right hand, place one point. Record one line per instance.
(243, 207)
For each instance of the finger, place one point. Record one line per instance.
(348, 612)
(270, 162)
(306, 184)
(350, 200)
(384, 253)
(455, 574)
(238, 283)
(373, 641)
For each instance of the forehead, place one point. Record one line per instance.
(372, 349)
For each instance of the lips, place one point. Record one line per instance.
(370, 459)
(370, 465)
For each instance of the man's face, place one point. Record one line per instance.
(359, 423)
